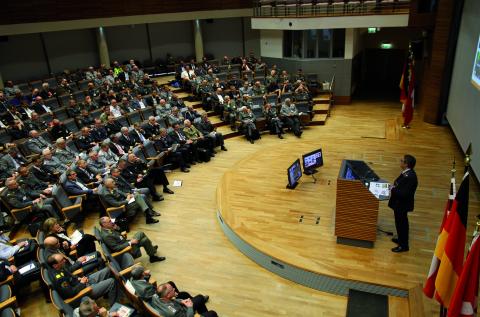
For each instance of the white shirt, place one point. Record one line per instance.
(115, 111)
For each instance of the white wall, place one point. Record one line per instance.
(395, 20)
(271, 43)
(127, 42)
(223, 37)
(21, 57)
(71, 49)
(175, 38)
(463, 112)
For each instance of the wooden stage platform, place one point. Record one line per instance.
(296, 227)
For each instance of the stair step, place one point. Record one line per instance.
(227, 132)
(321, 108)
(319, 119)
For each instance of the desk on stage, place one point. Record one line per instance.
(356, 211)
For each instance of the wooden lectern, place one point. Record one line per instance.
(356, 207)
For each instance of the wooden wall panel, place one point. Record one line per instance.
(14, 12)
(435, 66)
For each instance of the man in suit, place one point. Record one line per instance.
(85, 174)
(402, 200)
(39, 106)
(73, 186)
(99, 132)
(112, 126)
(125, 139)
(11, 161)
(290, 116)
(180, 156)
(40, 172)
(138, 134)
(192, 133)
(36, 143)
(179, 137)
(19, 198)
(107, 154)
(69, 285)
(116, 242)
(86, 141)
(133, 202)
(97, 165)
(151, 128)
(209, 131)
(115, 145)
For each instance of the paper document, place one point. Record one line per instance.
(26, 268)
(177, 183)
(379, 189)
(76, 237)
(132, 200)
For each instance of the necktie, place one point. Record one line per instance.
(119, 148)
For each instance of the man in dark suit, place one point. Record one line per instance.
(85, 174)
(99, 132)
(151, 128)
(402, 200)
(40, 172)
(125, 139)
(179, 137)
(116, 242)
(180, 155)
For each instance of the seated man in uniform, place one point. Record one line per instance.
(116, 242)
(68, 285)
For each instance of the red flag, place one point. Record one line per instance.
(465, 297)
(429, 288)
(452, 259)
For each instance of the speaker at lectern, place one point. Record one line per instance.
(359, 190)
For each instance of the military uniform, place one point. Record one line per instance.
(117, 198)
(36, 145)
(68, 285)
(98, 166)
(116, 242)
(258, 90)
(20, 198)
(193, 134)
(290, 114)
(273, 121)
(32, 184)
(65, 155)
(248, 124)
(54, 165)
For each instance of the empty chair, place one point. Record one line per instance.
(285, 96)
(71, 125)
(272, 99)
(52, 103)
(83, 84)
(52, 82)
(47, 117)
(36, 84)
(61, 113)
(70, 208)
(73, 86)
(151, 152)
(257, 101)
(123, 121)
(72, 146)
(134, 117)
(64, 99)
(79, 96)
(147, 112)
(96, 113)
(63, 308)
(24, 87)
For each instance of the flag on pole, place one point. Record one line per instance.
(465, 296)
(429, 288)
(407, 90)
(451, 262)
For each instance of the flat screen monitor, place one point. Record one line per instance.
(312, 160)
(349, 174)
(294, 173)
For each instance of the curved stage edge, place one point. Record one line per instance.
(298, 275)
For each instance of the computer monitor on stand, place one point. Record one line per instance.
(312, 161)
(294, 172)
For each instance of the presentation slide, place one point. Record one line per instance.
(476, 67)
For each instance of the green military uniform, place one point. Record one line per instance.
(258, 90)
(66, 155)
(19, 198)
(171, 308)
(117, 198)
(116, 242)
(32, 184)
(192, 133)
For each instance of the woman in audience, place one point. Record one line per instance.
(86, 245)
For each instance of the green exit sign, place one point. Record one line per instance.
(372, 30)
(386, 46)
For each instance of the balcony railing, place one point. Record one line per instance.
(312, 8)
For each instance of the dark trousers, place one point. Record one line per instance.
(86, 245)
(401, 224)
(294, 124)
(200, 307)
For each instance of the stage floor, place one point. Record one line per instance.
(297, 226)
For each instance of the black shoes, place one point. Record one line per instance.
(206, 298)
(280, 136)
(185, 170)
(167, 190)
(223, 148)
(399, 249)
(151, 220)
(155, 258)
(251, 141)
(154, 213)
(157, 198)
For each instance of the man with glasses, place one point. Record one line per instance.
(402, 200)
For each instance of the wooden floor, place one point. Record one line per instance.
(200, 259)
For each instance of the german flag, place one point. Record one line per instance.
(429, 288)
(452, 259)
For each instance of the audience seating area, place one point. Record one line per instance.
(92, 121)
